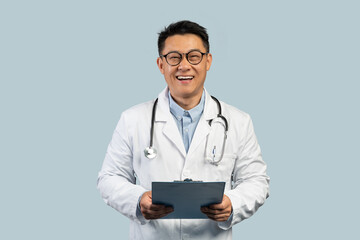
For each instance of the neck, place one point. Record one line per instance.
(187, 103)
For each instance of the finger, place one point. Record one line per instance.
(218, 217)
(157, 207)
(216, 207)
(149, 214)
(215, 211)
(226, 203)
(205, 209)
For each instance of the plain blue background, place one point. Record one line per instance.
(69, 68)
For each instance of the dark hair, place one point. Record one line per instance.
(183, 27)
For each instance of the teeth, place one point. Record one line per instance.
(184, 77)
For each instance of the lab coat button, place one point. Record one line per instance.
(186, 173)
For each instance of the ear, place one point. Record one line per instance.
(208, 61)
(160, 64)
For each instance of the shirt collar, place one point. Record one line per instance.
(194, 113)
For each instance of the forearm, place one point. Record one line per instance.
(248, 196)
(120, 194)
(250, 181)
(116, 180)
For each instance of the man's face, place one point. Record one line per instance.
(185, 81)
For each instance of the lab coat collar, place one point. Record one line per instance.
(170, 129)
(163, 110)
(211, 109)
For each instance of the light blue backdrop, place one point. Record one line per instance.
(69, 68)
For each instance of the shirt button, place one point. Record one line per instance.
(186, 130)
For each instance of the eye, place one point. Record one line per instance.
(173, 56)
(194, 56)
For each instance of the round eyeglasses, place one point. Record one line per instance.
(174, 58)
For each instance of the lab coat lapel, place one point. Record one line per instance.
(170, 129)
(203, 128)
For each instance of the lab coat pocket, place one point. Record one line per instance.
(223, 170)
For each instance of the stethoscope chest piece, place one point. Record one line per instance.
(150, 152)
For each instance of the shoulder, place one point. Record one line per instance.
(239, 121)
(139, 109)
(227, 109)
(234, 112)
(135, 115)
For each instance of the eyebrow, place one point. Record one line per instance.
(193, 49)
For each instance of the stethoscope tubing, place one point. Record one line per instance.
(220, 114)
(152, 123)
(150, 152)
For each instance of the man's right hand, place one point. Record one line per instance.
(153, 211)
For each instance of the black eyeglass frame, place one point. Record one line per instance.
(186, 56)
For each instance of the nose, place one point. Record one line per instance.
(184, 64)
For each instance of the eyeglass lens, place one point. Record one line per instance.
(193, 57)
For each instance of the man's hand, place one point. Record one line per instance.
(153, 211)
(219, 212)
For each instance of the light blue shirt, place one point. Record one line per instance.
(187, 120)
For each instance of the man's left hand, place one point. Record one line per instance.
(219, 212)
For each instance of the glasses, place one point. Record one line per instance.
(174, 58)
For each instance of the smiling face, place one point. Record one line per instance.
(185, 81)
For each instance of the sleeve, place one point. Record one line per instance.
(250, 181)
(116, 180)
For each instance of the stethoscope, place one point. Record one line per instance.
(150, 152)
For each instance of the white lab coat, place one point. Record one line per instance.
(125, 161)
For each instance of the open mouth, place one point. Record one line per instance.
(184, 78)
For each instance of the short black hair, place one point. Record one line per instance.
(183, 27)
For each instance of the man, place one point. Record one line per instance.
(184, 127)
